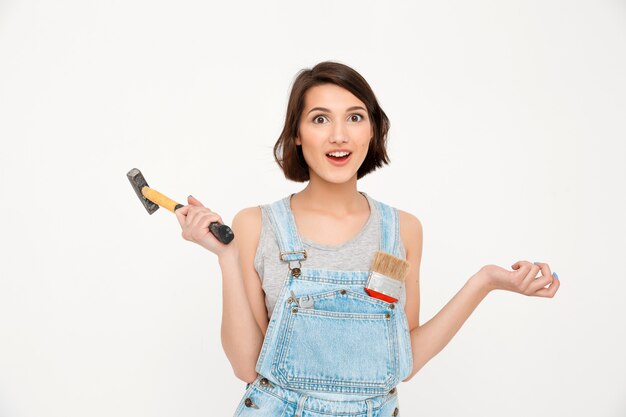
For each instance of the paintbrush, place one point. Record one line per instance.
(386, 277)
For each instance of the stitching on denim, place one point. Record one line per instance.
(379, 401)
(294, 237)
(351, 294)
(273, 394)
(337, 387)
(369, 408)
(380, 223)
(408, 350)
(394, 345)
(282, 341)
(282, 331)
(272, 324)
(288, 330)
(396, 224)
(283, 226)
(301, 402)
(274, 222)
(338, 281)
(343, 315)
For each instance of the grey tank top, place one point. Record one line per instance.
(354, 255)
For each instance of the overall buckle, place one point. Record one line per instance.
(291, 253)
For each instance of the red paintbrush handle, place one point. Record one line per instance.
(380, 295)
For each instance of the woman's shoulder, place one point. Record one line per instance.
(248, 216)
(256, 219)
(409, 224)
(409, 220)
(247, 224)
(410, 232)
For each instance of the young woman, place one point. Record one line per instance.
(297, 324)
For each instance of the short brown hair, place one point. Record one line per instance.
(289, 156)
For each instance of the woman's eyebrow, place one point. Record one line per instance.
(328, 111)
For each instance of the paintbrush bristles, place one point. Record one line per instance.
(390, 266)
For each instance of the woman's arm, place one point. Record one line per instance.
(429, 339)
(244, 316)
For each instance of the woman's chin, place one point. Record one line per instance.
(338, 178)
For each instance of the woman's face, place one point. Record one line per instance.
(333, 119)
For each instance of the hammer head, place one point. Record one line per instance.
(138, 182)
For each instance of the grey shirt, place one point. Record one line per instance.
(354, 255)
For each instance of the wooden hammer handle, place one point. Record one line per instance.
(160, 199)
(221, 232)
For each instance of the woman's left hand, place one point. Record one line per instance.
(523, 279)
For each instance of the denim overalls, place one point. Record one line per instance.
(330, 349)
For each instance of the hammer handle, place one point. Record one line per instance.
(221, 232)
(158, 198)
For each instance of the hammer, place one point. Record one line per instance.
(152, 199)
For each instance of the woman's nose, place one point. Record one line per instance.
(338, 133)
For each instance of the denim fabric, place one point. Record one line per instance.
(330, 348)
(275, 401)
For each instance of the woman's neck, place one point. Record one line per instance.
(335, 199)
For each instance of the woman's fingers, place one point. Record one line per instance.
(197, 223)
(544, 279)
(520, 277)
(519, 264)
(530, 276)
(550, 291)
(203, 220)
(198, 215)
(194, 220)
(196, 209)
(181, 215)
(545, 270)
(191, 214)
(523, 279)
(200, 229)
(516, 277)
(194, 201)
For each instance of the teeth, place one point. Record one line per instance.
(338, 154)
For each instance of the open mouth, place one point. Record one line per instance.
(338, 156)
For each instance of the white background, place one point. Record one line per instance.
(507, 141)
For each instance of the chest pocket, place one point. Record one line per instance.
(338, 340)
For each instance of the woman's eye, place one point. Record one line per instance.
(353, 118)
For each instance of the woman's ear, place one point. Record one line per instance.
(297, 141)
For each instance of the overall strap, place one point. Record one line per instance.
(284, 226)
(389, 229)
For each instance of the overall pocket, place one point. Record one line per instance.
(341, 341)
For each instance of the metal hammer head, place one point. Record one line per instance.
(138, 182)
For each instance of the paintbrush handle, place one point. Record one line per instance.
(383, 287)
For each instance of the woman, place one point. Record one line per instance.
(297, 325)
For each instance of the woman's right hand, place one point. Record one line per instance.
(194, 221)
